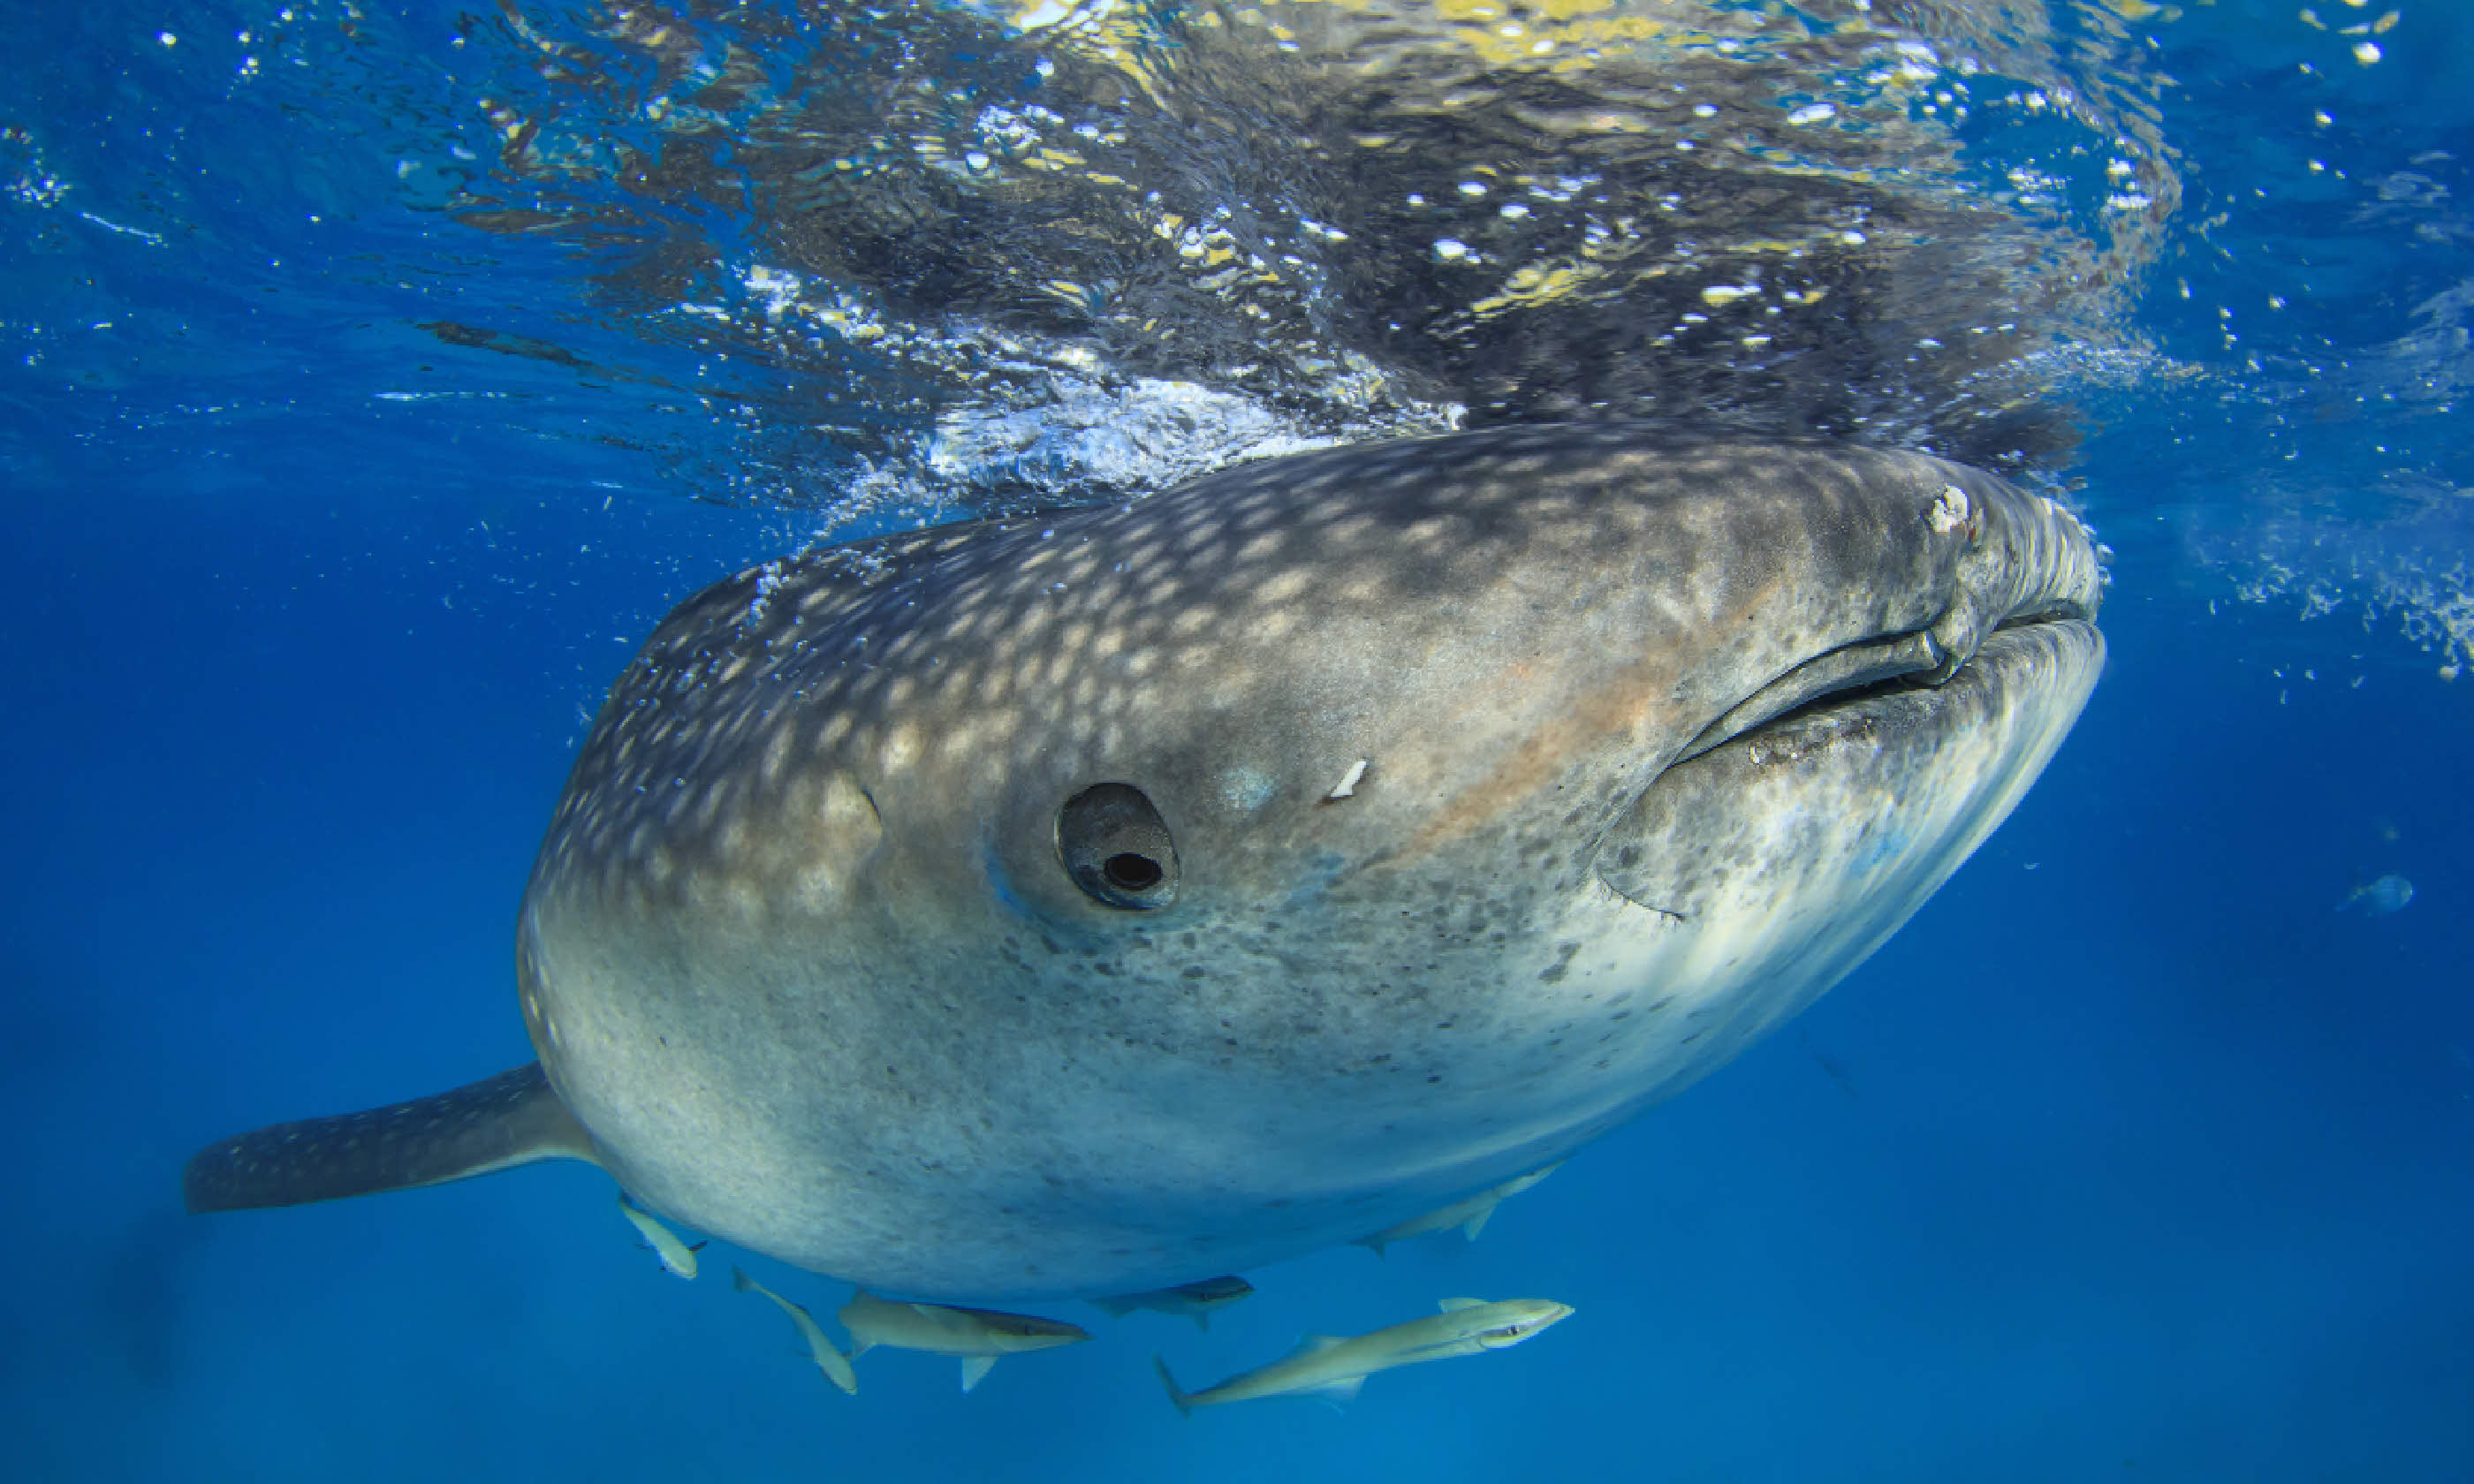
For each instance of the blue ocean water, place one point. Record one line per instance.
(335, 502)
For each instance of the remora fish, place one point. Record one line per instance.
(1195, 1300)
(827, 1354)
(979, 1337)
(979, 912)
(1470, 1214)
(1329, 1366)
(676, 1256)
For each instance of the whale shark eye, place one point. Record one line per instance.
(1117, 848)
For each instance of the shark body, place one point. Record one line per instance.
(1085, 905)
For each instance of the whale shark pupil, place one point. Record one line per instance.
(1131, 873)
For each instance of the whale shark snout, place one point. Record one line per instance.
(1086, 904)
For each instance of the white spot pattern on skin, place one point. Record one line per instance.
(1284, 587)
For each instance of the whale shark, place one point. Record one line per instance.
(1087, 903)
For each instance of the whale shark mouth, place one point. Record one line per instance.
(1855, 673)
(1880, 757)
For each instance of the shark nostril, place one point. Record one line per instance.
(1117, 848)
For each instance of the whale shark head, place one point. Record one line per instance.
(1081, 904)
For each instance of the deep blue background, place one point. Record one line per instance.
(2129, 1158)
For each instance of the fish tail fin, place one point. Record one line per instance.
(740, 1281)
(1184, 1398)
(510, 1119)
(861, 1341)
(1113, 1307)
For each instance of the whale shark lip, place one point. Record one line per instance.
(1865, 688)
(1834, 675)
(1848, 675)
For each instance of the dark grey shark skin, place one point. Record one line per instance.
(801, 953)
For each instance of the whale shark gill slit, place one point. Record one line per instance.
(502, 1121)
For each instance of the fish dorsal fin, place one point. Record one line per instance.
(510, 1119)
(975, 1366)
(1317, 1343)
(1455, 1305)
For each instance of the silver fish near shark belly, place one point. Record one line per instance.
(977, 1337)
(678, 1257)
(1470, 1213)
(1080, 905)
(1334, 1367)
(830, 1361)
(1196, 1301)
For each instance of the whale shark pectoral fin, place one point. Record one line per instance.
(510, 1119)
